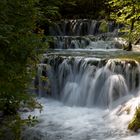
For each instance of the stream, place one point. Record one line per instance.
(85, 90)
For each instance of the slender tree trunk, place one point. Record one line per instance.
(131, 28)
(130, 40)
(129, 46)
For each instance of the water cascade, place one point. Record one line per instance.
(89, 81)
(81, 27)
(84, 88)
(83, 33)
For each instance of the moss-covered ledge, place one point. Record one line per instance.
(134, 124)
(130, 57)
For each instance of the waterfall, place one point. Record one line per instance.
(81, 27)
(87, 91)
(83, 33)
(90, 81)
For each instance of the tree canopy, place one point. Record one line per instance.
(18, 45)
(128, 13)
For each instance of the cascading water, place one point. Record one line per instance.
(81, 27)
(84, 90)
(90, 81)
(74, 34)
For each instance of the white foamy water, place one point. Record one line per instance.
(60, 122)
(82, 78)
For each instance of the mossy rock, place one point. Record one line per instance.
(131, 57)
(134, 124)
(103, 27)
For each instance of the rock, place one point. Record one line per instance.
(134, 124)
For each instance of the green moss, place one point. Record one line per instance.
(134, 124)
(130, 57)
(103, 27)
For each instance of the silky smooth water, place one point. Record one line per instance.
(85, 91)
(92, 100)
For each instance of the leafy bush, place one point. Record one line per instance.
(18, 56)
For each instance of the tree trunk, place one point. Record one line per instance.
(129, 46)
(131, 29)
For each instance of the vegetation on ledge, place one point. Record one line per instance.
(135, 56)
(128, 13)
(134, 124)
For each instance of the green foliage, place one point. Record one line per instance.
(31, 104)
(128, 13)
(18, 44)
(19, 47)
(134, 124)
(103, 26)
(67, 8)
(54, 10)
(84, 9)
(130, 57)
(12, 126)
(49, 11)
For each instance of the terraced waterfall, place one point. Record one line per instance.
(85, 88)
